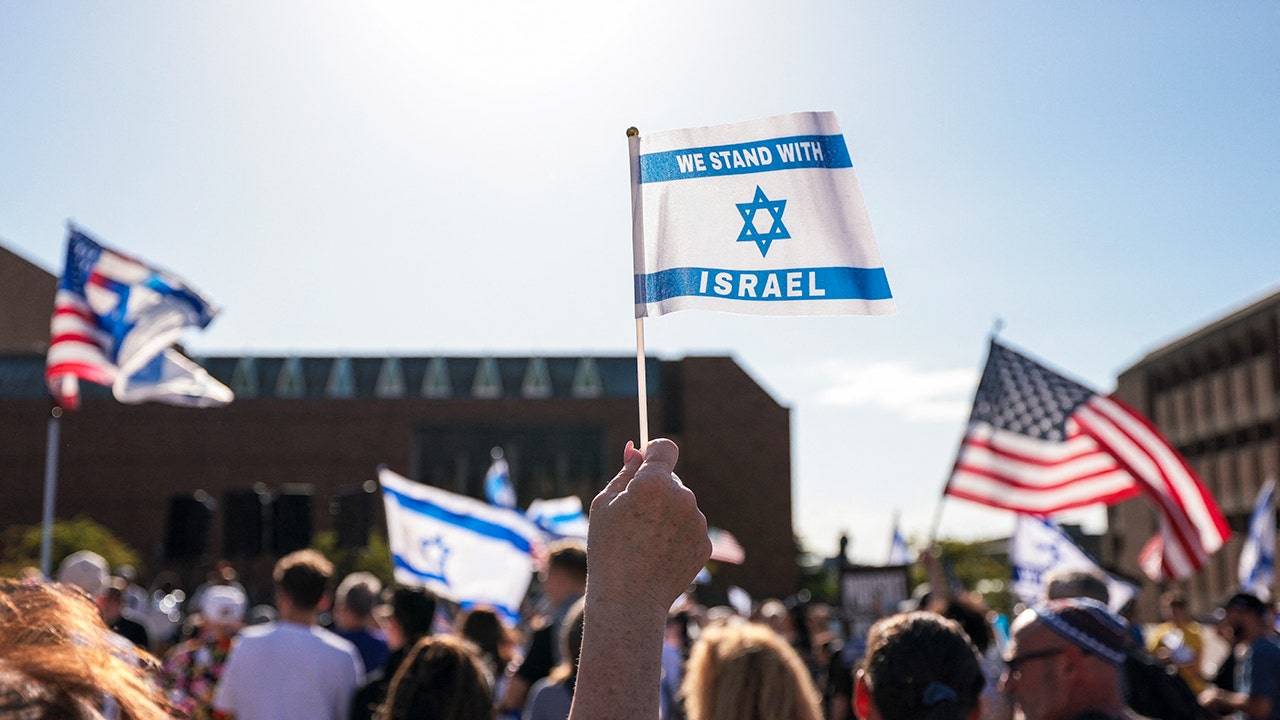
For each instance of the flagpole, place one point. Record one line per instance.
(637, 237)
(50, 492)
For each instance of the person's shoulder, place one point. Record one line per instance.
(336, 643)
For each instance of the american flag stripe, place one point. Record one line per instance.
(725, 547)
(1192, 525)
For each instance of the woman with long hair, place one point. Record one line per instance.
(442, 678)
(746, 671)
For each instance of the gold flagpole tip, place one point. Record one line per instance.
(632, 132)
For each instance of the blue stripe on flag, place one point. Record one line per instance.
(768, 155)
(466, 522)
(819, 283)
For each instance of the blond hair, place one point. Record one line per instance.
(747, 672)
(57, 656)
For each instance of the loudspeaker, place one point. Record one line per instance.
(291, 518)
(242, 522)
(352, 510)
(187, 533)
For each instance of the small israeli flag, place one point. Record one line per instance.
(1258, 554)
(458, 547)
(899, 552)
(762, 217)
(497, 484)
(559, 517)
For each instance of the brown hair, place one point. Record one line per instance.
(441, 678)
(303, 576)
(58, 659)
(747, 672)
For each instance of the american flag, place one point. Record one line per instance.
(114, 320)
(1039, 443)
(725, 547)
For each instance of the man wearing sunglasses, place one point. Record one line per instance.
(1063, 661)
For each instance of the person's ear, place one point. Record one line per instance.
(862, 706)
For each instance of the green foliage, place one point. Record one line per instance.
(376, 558)
(977, 568)
(20, 545)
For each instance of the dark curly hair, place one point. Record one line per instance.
(921, 666)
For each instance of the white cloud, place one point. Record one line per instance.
(922, 395)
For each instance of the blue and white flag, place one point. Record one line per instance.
(899, 553)
(497, 484)
(762, 217)
(1258, 554)
(115, 320)
(459, 547)
(559, 517)
(1039, 547)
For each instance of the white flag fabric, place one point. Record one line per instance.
(458, 547)
(1039, 547)
(763, 217)
(559, 517)
(1258, 554)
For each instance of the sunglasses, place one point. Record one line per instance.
(1014, 664)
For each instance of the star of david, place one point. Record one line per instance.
(433, 553)
(749, 233)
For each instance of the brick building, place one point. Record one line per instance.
(305, 435)
(1212, 393)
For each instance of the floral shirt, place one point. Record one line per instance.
(191, 672)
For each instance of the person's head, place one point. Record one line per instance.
(570, 643)
(49, 635)
(110, 600)
(86, 570)
(1245, 613)
(222, 610)
(1063, 584)
(1173, 605)
(413, 609)
(566, 571)
(972, 618)
(1064, 659)
(354, 600)
(919, 665)
(302, 577)
(746, 670)
(483, 628)
(441, 678)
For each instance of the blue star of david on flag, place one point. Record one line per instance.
(433, 553)
(749, 233)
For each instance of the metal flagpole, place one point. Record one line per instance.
(637, 232)
(50, 492)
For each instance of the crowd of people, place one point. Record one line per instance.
(621, 641)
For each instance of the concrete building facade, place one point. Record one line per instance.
(1213, 394)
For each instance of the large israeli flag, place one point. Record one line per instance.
(1258, 554)
(458, 547)
(1039, 547)
(762, 217)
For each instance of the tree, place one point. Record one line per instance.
(21, 545)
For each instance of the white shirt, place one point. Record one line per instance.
(284, 670)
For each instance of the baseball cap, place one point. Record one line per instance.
(86, 570)
(223, 604)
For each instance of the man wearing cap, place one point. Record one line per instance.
(192, 668)
(1257, 663)
(1063, 661)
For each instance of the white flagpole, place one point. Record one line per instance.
(50, 492)
(637, 237)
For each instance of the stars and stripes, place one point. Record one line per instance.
(1039, 443)
(725, 547)
(114, 320)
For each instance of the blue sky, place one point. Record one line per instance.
(396, 177)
